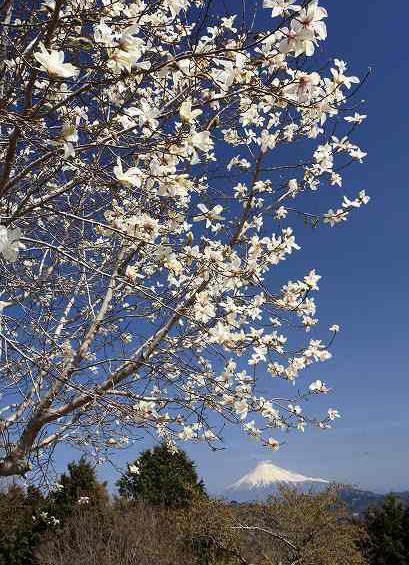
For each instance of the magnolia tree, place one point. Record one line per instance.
(154, 157)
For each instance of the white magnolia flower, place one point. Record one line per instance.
(272, 444)
(295, 409)
(318, 386)
(219, 333)
(4, 304)
(146, 113)
(209, 215)
(334, 328)
(201, 140)
(335, 217)
(227, 23)
(304, 87)
(280, 213)
(293, 186)
(332, 413)
(241, 408)
(104, 34)
(311, 280)
(48, 5)
(134, 469)
(83, 500)
(187, 114)
(9, 243)
(298, 41)
(131, 177)
(281, 7)
(310, 19)
(301, 425)
(357, 154)
(69, 132)
(175, 6)
(356, 118)
(53, 63)
(132, 273)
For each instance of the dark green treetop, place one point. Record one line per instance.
(162, 477)
(386, 536)
(78, 487)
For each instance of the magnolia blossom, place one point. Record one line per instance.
(295, 409)
(201, 140)
(297, 40)
(304, 87)
(335, 217)
(186, 112)
(209, 215)
(332, 414)
(53, 63)
(293, 187)
(281, 213)
(311, 280)
(318, 386)
(175, 6)
(356, 118)
(10, 243)
(131, 177)
(273, 444)
(310, 19)
(48, 5)
(146, 113)
(358, 154)
(69, 132)
(281, 7)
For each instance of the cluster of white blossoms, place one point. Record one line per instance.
(158, 161)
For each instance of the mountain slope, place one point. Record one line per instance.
(264, 479)
(358, 500)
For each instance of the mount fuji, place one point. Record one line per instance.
(263, 481)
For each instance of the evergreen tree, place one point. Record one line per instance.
(405, 531)
(161, 477)
(21, 524)
(385, 527)
(78, 487)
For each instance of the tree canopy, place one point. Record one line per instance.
(159, 161)
(388, 536)
(77, 487)
(162, 477)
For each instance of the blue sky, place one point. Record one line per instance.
(365, 270)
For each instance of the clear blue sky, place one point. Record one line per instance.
(365, 284)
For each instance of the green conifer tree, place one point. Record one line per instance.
(405, 531)
(21, 524)
(385, 527)
(78, 487)
(161, 477)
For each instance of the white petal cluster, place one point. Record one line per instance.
(53, 63)
(10, 243)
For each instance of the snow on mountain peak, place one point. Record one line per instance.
(266, 474)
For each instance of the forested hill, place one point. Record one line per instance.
(359, 500)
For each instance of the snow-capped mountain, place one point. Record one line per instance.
(264, 479)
